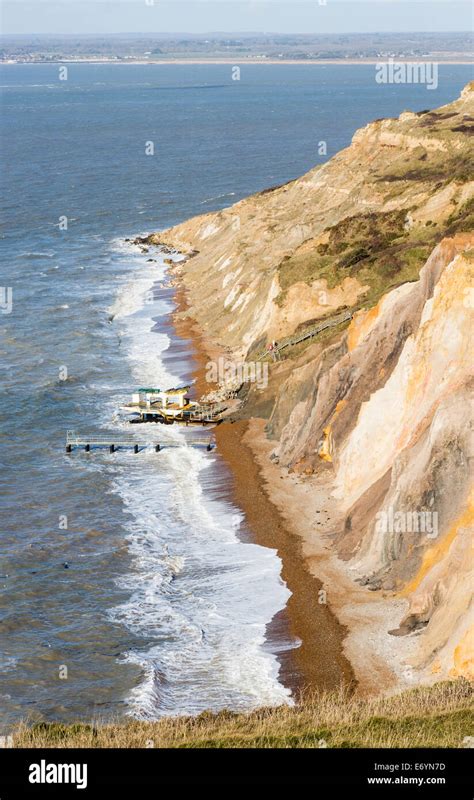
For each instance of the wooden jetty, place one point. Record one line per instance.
(116, 442)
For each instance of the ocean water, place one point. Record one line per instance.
(130, 584)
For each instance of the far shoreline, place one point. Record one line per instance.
(244, 62)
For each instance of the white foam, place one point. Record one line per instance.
(203, 593)
(196, 590)
(136, 294)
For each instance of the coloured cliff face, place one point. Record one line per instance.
(380, 404)
(340, 236)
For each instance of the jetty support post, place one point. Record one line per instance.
(157, 448)
(69, 448)
(87, 448)
(112, 448)
(135, 448)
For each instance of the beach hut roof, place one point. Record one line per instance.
(180, 390)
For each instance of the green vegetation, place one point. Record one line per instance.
(374, 248)
(461, 220)
(437, 716)
(324, 337)
(420, 168)
(377, 249)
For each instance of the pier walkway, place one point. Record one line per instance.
(116, 442)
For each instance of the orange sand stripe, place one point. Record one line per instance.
(434, 554)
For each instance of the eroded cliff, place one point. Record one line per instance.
(380, 406)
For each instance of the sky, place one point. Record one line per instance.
(202, 16)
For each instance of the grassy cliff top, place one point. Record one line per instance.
(437, 716)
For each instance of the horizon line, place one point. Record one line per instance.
(240, 33)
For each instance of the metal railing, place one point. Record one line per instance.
(74, 439)
(307, 334)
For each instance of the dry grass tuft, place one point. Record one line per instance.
(436, 716)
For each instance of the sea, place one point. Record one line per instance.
(130, 584)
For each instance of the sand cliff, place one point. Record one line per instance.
(370, 422)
